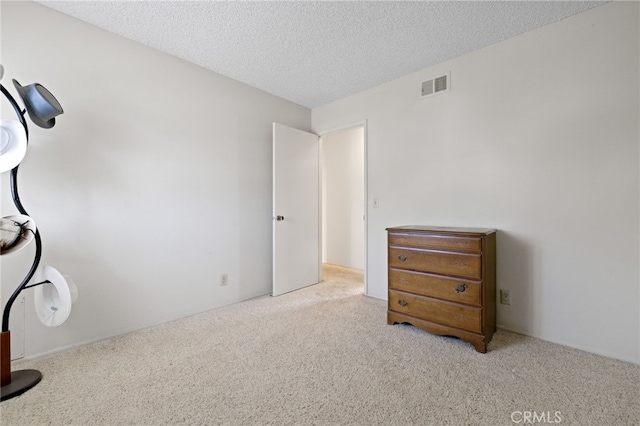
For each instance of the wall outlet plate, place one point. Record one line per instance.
(505, 297)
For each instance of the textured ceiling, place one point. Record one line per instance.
(315, 52)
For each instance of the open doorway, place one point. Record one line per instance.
(344, 202)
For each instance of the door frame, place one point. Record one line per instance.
(339, 129)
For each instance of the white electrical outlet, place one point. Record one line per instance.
(376, 202)
(224, 279)
(505, 297)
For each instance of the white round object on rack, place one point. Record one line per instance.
(16, 232)
(13, 144)
(53, 299)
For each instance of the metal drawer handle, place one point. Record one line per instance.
(461, 288)
(402, 258)
(402, 302)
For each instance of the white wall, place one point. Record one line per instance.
(343, 198)
(156, 180)
(538, 138)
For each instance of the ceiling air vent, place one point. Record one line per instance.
(436, 85)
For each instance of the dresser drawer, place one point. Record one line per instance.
(465, 265)
(452, 314)
(455, 290)
(437, 242)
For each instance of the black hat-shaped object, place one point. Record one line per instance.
(41, 105)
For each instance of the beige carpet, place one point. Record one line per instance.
(323, 355)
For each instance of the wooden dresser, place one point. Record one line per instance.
(443, 281)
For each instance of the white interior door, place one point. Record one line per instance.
(296, 209)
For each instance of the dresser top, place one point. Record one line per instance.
(441, 229)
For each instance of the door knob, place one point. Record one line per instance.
(279, 218)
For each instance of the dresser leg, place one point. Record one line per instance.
(480, 346)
